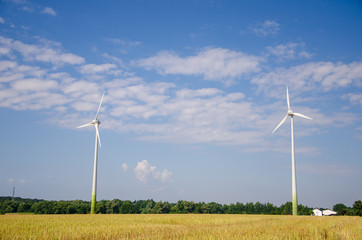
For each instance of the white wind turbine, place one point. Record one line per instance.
(96, 123)
(294, 182)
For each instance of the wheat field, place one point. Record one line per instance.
(190, 226)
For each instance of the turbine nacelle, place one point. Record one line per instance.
(95, 121)
(290, 113)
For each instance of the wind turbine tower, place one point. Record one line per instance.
(291, 113)
(12, 199)
(95, 122)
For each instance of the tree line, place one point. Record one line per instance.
(116, 206)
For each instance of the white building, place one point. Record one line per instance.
(317, 212)
(327, 212)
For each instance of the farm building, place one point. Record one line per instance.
(317, 212)
(327, 212)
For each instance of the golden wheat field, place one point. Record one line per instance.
(189, 226)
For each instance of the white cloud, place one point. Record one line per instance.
(123, 42)
(289, 51)
(31, 100)
(43, 53)
(145, 172)
(354, 98)
(201, 115)
(23, 181)
(114, 59)
(213, 63)
(163, 111)
(20, 181)
(2, 20)
(84, 106)
(266, 28)
(124, 166)
(50, 11)
(27, 9)
(5, 65)
(96, 69)
(309, 76)
(78, 88)
(34, 85)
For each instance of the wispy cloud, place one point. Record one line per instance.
(266, 28)
(20, 181)
(123, 42)
(2, 20)
(124, 166)
(95, 69)
(213, 63)
(11, 180)
(163, 111)
(145, 172)
(354, 98)
(309, 76)
(27, 9)
(41, 53)
(289, 51)
(49, 11)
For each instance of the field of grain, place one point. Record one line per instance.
(189, 226)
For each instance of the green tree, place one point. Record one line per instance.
(198, 207)
(249, 208)
(101, 207)
(304, 210)
(239, 208)
(357, 208)
(126, 207)
(231, 209)
(340, 208)
(286, 209)
(161, 207)
(149, 206)
(112, 206)
(214, 208)
(258, 208)
(180, 207)
(269, 208)
(189, 206)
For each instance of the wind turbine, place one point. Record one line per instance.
(291, 113)
(96, 123)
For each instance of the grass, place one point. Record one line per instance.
(189, 226)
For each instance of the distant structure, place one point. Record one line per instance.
(317, 212)
(12, 199)
(327, 212)
(95, 122)
(291, 114)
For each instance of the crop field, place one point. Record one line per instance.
(188, 226)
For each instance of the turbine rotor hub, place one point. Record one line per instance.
(290, 112)
(95, 121)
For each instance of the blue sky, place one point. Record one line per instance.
(194, 90)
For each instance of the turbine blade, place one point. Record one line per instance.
(301, 115)
(97, 133)
(283, 120)
(288, 99)
(100, 104)
(85, 125)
